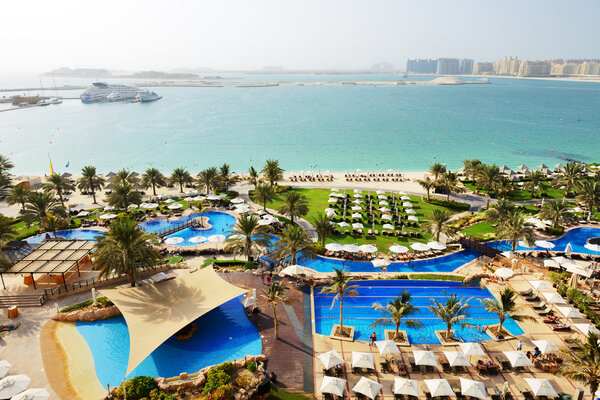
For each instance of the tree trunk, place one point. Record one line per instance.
(265, 206)
(180, 187)
(428, 197)
(275, 322)
(341, 312)
(448, 331)
(397, 330)
(153, 188)
(448, 196)
(94, 196)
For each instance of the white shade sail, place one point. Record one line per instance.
(357, 201)
(386, 217)
(471, 388)
(330, 359)
(504, 273)
(343, 224)
(13, 385)
(368, 387)
(398, 249)
(439, 387)
(424, 357)
(356, 215)
(356, 208)
(4, 368)
(457, 359)
(388, 226)
(408, 387)
(32, 394)
(387, 347)
(293, 270)
(405, 198)
(384, 209)
(334, 247)
(333, 385)
(419, 246)
(540, 285)
(436, 245)
(173, 240)
(383, 203)
(541, 387)
(358, 225)
(518, 359)
(407, 204)
(472, 349)
(362, 360)
(545, 346)
(381, 197)
(412, 218)
(411, 211)
(570, 312)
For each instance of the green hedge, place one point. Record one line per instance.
(453, 205)
(230, 263)
(437, 277)
(102, 300)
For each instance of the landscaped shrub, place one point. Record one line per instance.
(224, 392)
(251, 265)
(215, 379)
(402, 276)
(556, 277)
(437, 277)
(160, 395)
(102, 300)
(453, 205)
(138, 388)
(559, 230)
(243, 381)
(251, 366)
(318, 248)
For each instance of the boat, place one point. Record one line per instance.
(100, 91)
(18, 100)
(115, 96)
(44, 102)
(146, 96)
(56, 100)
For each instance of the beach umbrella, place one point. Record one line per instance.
(504, 273)
(586, 329)
(329, 209)
(356, 215)
(343, 224)
(419, 246)
(439, 387)
(380, 262)
(381, 197)
(362, 360)
(132, 206)
(173, 240)
(357, 191)
(552, 297)
(471, 388)
(592, 247)
(542, 166)
(387, 347)
(518, 359)
(398, 249)
(436, 245)
(380, 191)
(169, 201)
(293, 270)
(334, 247)
(540, 285)
(570, 312)
(330, 213)
(332, 200)
(13, 385)
(545, 346)
(151, 205)
(568, 249)
(237, 200)
(550, 263)
(386, 217)
(188, 199)
(368, 387)
(223, 195)
(330, 359)
(388, 226)
(264, 222)
(357, 201)
(32, 394)
(333, 385)
(197, 239)
(82, 214)
(358, 195)
(472, 349)
(424, 357)
(405, 198)
(407, 204)
(412, 218)
(108, 216)
(339, 195)
(541, 387)
(533, 220)
(367, 248)
(384, 209)
(350, 248)
(383, 203)
(523, 167)
(212, 197)
(335, 190)
(358, 225)
(407, 387)
(4, 368)
(216, 238)
(544, 244)
(457, 359)
(176, 206)
(356, 208)
(411, 211)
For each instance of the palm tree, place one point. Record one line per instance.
(506, 308)
(452, 312)
(90, 181)
(152, 177)
(504, 187)
(5, 166)
(253, 177)
(439, 222)
(124, 250)
(294, 205)
(323, 227)
(60, 185)
(247, 237)
(450, 183)
(535, 179)
(6, 229)
(209, 179)
(437, 170)
(426, 183)
(514, 229)
(589, 194)
(53, 223)
(123, 195)
(499, 212)
(18, 195)
(201, 209)
(339, 286)
(569, 176)
(395, 313)
(583, 364)
(292, 240)
(263, 194)
(557, 212)
(180, 176)
(38, 205)
(124, 176)
(272, 171)
(472, 168)
(487, 177)
(274, 295)
(227, 177)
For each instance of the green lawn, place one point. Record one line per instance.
(520, 195)
(280, 394)
(479, 230)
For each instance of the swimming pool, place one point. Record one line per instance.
(225, 333)
(358, 311)
(439, 264)
(221, 224)
(85, 234)
(577, 237)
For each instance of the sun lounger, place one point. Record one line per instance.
(561, 327)
(532, 299)
(547, 311)
(540, 306)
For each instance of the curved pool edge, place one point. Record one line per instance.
(68, 362)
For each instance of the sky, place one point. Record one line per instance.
(293, 34)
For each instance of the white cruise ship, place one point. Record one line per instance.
(103, 91)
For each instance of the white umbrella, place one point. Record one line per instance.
(83, 214)
(334, 247)
(216, 238)
(592, 247)
(424, 357)
(188, 199)
(436, 245)
(330, 213)
(339, 195)
(405, 198)
(4, 368)
(367, 248)
(13, 385)
(544, 244)
(335, 190)
(356, 215)
(343, 224)
(173, 240)
(350, 248)
(412, 218)
(457, 359)
(330, 209)
(264, 222)
(407, 204)
(293, 270)
(472, 349)
(398, 249)
(504, 273)
(387, 347)
(357, 191)
(550, 263)
(383, 203)
(380, 192)
(362, 360)
(540, 285)
(411, 211)
(541, 387)
(545, 346)
(384, 209)
(330, 359)
(358, 225)
(419, 246)
(108, 216)
(568, 249)
(169, 201)
(333, 385)
(32, 394)
(356, 208)
(199, 198)
(132, 206)
(381, 197)
(151, 205)
(386, 217)
(408, 387)
(358, 195)
(368, 387)
(570, 312)
(533, 220)
(471, 388)
(237, 200)
(587, 329)
(212, 197)
(388, 226)
(552, 297)
(518, 359)
(222, 195)
(380, 262)
(176, 206)
(439, 387)
(243, 208)
(332, 200)
(357, 201)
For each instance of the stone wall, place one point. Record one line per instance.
(88, 314)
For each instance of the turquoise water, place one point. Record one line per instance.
(85, 234)
(577, 237)
(510, 121)
(225, 333)
(221, 224)
(358, 310)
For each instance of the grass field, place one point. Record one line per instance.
(520, 194)
(481, 230)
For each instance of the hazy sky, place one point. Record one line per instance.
(306, 34)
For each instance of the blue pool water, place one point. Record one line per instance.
(86, 234)
(439, 264)
(221, 224)
(225, 333)
(577, 237)
(358, 310)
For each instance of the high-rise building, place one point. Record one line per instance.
(534, 68)
(422, 66)
(465, 66)
(447, 66)
(507, 66)
(481, 68)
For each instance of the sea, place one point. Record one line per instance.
(312, 128)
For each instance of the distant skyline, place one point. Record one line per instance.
(294, 35)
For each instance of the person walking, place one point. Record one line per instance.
(519, 346)
(373, 338)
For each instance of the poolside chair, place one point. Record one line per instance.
(413, 367)
(547, 311)
(532, 299)
(540, 306)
